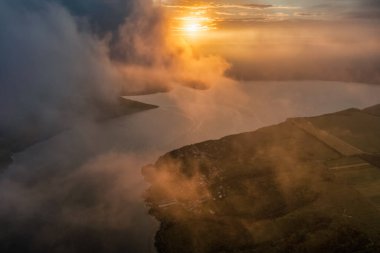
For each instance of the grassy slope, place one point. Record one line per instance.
(279, 195)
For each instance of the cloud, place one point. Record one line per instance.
(208, 5)
(345, 50)
(160, 58)
(368, 9)
(92, 207)
(315, 10)
(61, 64)
(102, 16)
(49, 69)
(333, 10)
(62, 61)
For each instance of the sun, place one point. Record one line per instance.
(193, 25)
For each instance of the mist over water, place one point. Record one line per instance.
(85, 186)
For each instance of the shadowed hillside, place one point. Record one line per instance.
(375, 110)
(305, 185)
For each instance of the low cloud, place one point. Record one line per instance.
(63, 60)
(61, 64)
(93, 207)
(301, 50)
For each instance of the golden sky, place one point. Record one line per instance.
(275, 39)
(273, 10)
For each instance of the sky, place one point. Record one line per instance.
(276, 10)
(284, 40)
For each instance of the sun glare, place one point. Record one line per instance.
(193, 25)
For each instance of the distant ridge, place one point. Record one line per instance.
(124, 106)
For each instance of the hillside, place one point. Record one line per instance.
(305, 185)
(375, 110)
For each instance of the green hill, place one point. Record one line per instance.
(305, 185)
